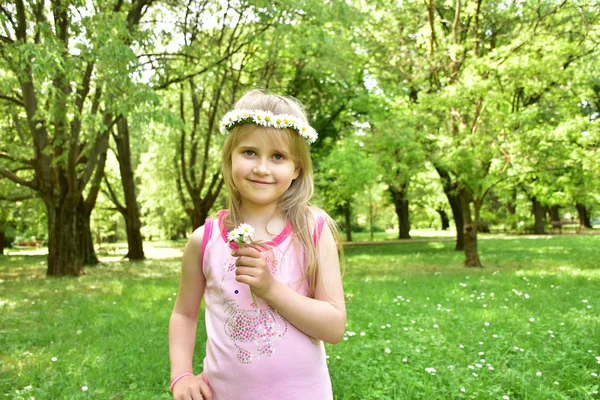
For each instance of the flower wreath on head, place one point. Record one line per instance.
(266, 118)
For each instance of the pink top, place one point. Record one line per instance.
(256, 353)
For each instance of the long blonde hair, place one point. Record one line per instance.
(294, 205)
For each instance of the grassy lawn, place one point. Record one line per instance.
(420, 326)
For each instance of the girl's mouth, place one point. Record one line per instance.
(261, 183)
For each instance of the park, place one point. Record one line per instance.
(458, 152)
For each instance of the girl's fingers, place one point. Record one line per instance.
(205, 389)
(250, 262)
(249, 271)
(246, 251)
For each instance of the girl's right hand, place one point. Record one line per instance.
(192, 388)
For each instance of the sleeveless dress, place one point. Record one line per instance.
(256, 353)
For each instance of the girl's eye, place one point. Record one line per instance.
(278, 157)
(248, 152)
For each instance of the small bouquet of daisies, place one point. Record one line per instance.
(241, 235)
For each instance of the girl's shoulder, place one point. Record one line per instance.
(321, 222)
(317, 215)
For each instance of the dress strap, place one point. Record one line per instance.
(208, 228)
(318, 229)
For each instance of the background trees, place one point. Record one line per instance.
(500, 99)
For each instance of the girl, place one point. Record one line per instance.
(271, 348)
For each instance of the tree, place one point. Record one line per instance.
(65, 68)
(345, 173)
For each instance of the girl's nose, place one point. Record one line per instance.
(261, 168)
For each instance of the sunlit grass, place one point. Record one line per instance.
(419, 324)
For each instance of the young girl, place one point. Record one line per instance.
(271, 348)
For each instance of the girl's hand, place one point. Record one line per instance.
(192, 388)
(252, 269)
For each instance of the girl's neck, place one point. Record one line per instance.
(267, 222)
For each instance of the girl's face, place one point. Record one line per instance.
(262, 170)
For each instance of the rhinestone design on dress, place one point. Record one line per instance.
(253, 331)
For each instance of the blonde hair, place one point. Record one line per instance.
(294, 204)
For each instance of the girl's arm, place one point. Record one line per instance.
(322, 317)
(182, 326)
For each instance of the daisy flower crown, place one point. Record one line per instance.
(266, 118)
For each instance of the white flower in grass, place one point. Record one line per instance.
(436, 326)
(84, 388)
(387, 351)
(462, 390)
(486, 323)
(475, 374)
(539, 373)
(54, 359)
(595, 375)
(556, 383)
(505, 397)
(531, 319)
(430, 370)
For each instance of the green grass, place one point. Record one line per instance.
(411, 306)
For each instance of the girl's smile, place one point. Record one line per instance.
(261, 183)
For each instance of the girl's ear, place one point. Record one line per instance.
(296, 172)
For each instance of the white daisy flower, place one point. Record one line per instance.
(231, 236)
(246, 230)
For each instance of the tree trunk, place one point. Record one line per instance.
(402, 211)
(451, 191)
(65, 257)
(198, 216)
(584, 216)
(444, 218)
(2, 242)
(87, 243)
(348, 221)
(371, 217)
(131, 210)
(470, 229)
(539, 213)
(554, 213)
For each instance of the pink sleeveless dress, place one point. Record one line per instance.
(255, 353)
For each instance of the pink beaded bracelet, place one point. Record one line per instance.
(179, 378)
